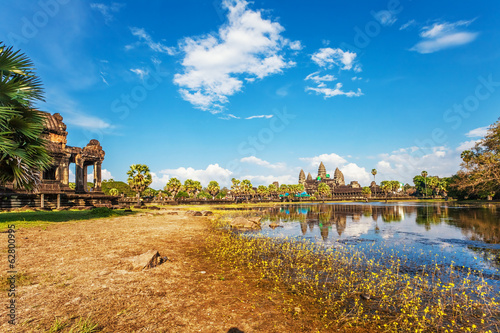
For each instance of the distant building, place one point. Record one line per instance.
(337, 184)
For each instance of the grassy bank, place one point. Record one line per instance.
(343, 289)
(26, 219)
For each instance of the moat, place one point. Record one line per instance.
(445, 234)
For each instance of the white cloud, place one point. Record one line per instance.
(328, 57)
(204, 176)
(268, 179)
(258, 161)
(266, 116)
(107, 11)
(319, 79)
(352, 172)
(407, 25)
(331, 160)
(140, 72)
(329, 92)
(247, 46)
(440, 36)
(296, 45)
(229, 116)
(106, 174)
(155, 46)
(86, 121)
(478, 132)
(467, 145)
(404, 164)
(385, 17)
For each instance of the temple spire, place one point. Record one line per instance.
(302, 177)
(322, 171)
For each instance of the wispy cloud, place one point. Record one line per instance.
(266, 116)
(385, 17)
(408, 24)
(478, 132)
(148, 40)
(440, 36)
(246, 48)
(260, 162)
(107, 11)
(328, 57)
(329, 92)
(140, 72)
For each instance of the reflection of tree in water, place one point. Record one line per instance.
(477, 224)
(429, 215)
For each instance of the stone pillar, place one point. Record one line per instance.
(97, 176)
(42, 199)
(80, 180)
(65, 171)
(59, 201)
(85, 177)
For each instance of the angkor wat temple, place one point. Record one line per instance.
(54, 190)
(337, 184)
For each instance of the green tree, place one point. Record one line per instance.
(424, 174)
(374, 172)
(173, 186)
(262, 191)
(367, 192)
(386, 186)
(139, 178)
(192, 187)
(273, 191)
(323, 190)
(246, 188)
(213, 188)
(480, 172)
(23, 153)
(114, 192)
(235, 188)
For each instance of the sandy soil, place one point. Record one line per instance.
(80, 269)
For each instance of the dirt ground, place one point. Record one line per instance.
(80, 270)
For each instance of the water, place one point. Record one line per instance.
(445, 234)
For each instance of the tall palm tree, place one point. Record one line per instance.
(424, 174)
(139, 178)
(173, 186)
(22, 150)
(213, 188)
(374, 172)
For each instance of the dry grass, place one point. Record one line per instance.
(77, 279)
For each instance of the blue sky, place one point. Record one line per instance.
(212, 90)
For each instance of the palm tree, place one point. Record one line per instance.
(374, 172)
(273, 191)
(246, 188)
(173, 186)
(262, 191)
(192, 187)
(23, 153)
(323, 189)
(213, 188)
(139, 178)
(424, 174)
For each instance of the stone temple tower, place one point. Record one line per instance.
(339, 177)
(322, 171)
(302, 177)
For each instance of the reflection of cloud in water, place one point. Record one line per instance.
(356, 229)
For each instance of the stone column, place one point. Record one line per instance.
(80, 175)
(85, 177)
(42, 199)
(59, 201)
(65, 171)
(97, 176)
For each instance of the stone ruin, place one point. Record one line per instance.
(54, 190)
